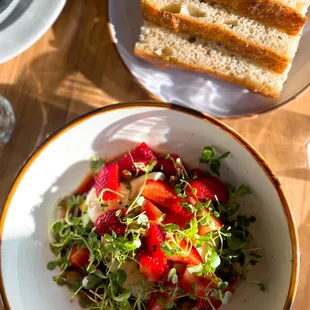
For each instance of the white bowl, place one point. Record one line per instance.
(59, 165)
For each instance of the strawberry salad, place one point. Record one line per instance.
(146, 232)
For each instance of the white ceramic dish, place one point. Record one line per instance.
(198, 91)
(24, 22)
(61, 163)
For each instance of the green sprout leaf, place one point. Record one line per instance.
(142, 220)
(195, 269)
(227, 298)
(215, 260)
(172, 227)
(171, 273)
(91, 281)
(236, 241)
(124, 296)
(167, 249)
(208, 156)
(222, 285)
(243, 190)
(192, 230)
(175, 279)
(96, 164)
(125, 305)
(51, 265)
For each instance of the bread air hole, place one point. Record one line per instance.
(195, 12)
(172, 8)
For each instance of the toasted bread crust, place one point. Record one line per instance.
(170, 62)
(264, 57)
(269, 12)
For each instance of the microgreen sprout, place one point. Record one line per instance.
(102, 282)
(208, 156)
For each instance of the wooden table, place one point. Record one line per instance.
(74, 68)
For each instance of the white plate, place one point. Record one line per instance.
(199, 91)
(62, 162)
(24, 22)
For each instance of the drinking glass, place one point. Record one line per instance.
(7, 120)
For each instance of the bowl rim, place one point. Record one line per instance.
(296, 96)
(202, 116)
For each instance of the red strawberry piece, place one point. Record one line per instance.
(202, 303)
(216, 224)
(208, 304)
(195, 285)
(158, 301)
(154, 268)
(108, 177)
(167, 165)
(141, 154)
(193, 258)
(216, 187)
(154, 239)
(152, 212)
(162, 195)
(199, 191)
(181, 218)
(79, 256)
(155, 302)
(197, 173)
(108, 222)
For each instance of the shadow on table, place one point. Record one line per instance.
(84, 57)
(35, 121)
(43, 98)
(281, 137)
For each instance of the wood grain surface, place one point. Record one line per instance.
(74, 68)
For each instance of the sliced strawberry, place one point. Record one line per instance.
(167, 165)
(181, 218)
(155, 302)
(154, 239)
(199, 191)
(154, 268)
(158, 301)
(108, 177)
(108, 222)
(216, 187)
(79, 256)
(202, 303)
(152, 212)
(208, 304)
(162, 195)
(195, 285)
(193, 258)
(216, 224)
(141, 154)
(196, 173)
